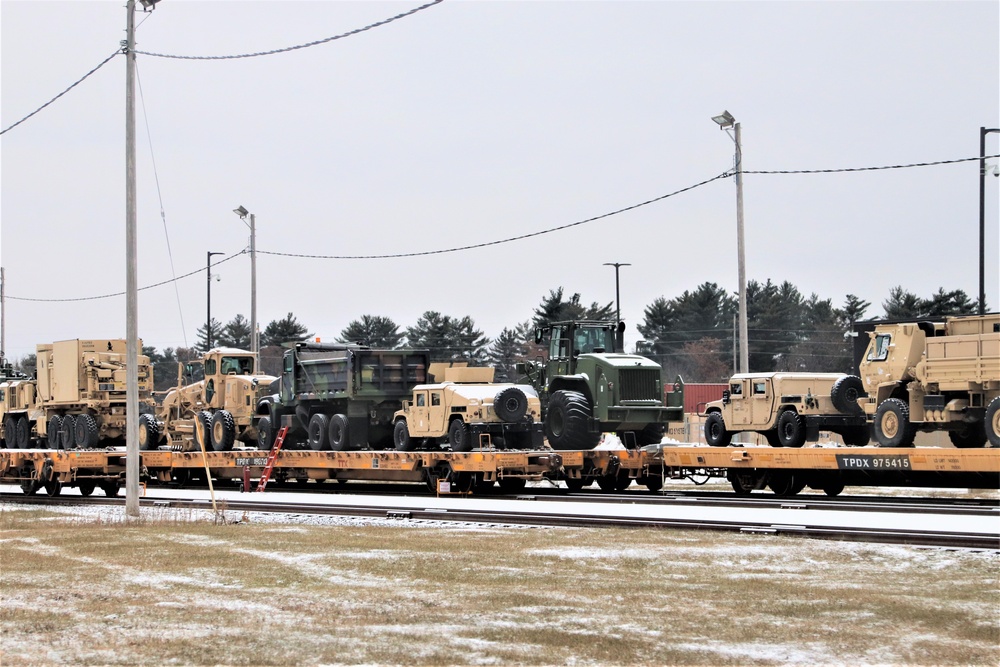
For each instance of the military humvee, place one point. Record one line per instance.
(788, 408)
(469, 410)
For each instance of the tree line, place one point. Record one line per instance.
(691, 335)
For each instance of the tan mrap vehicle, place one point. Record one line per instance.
(788, 409)
(467, 410)
(216, 411)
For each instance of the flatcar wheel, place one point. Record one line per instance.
(607, 483)
(743, 482)
(86, 488)
(622, 480)
(180, 477)
(461, 482)
(29, 486)
(110, 489)
(53, 487)
(575, 483)
(652, 482)
(834, 488)
(512, 484)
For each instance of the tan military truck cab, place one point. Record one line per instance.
(468, 410)
(788, 409)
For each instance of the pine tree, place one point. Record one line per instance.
(202, 342)
(236, 333)
(504, 352)
(285, 330)
(901, 305)
(448, 338)
(374, 331)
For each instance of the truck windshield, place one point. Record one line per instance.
(593, 338)
(879, 350)
(236, 365)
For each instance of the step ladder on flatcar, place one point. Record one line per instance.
(272, 458)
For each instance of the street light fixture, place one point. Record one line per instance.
(243, 213)
(982, 217)
(618, 296)
(208, 300)
(725, 120)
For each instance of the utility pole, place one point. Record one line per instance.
(254, 344)
(131, 280)
(982, 217)
(208, 301)
(3, 315)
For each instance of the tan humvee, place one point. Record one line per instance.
(788, 408)
(217, 411)
(469, 410)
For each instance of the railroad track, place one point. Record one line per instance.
(957, 525)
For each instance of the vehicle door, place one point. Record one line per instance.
(419, 424)
(762, 401)
(739, 402)
(437, 412)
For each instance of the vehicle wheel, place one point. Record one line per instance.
(833, 488)
(607, 483)
(968, 435)
(845, 394)
(86, 488)
(652, 434)
(52, 431)
(339, 433)
(223, 431)
(53, 487)
(715, 430)
(892, 424)
(772, 438)
(459, 437)
(652, 482)
(85, 432)
(510, 404)
(30, 486)
(180, 477)
(622, 480)
(23, 433)
(567, 422)
(743, 482)
(574, 484)
(991, 422)
(401, 437)
(10, 432)
(67, 432)
(110, 489)
(785, 484)
(203, 430)
(791, 429)
(265, 434)
(512, 484)
(461, 482)
(149, 432)
(318, 437)
(857, 436)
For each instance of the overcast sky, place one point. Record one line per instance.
(474, 122)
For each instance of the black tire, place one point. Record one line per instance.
(652, 434)
(567, 422)
(892, 424)
(744, 482)
(969, 435)
(845, 394)
(149, 432)
(53, 487)
(857, 436)
(23, 433)
(833, 488)
(67, 432)
(223, 431)
(510, 404)
(401, 437)
(652, 482)
(318, 437)
(10, 432)
(203, 430)
(85, 432)
(785, 483)
(772, 438)
(86, 488)
(574, 484)
(339, 432)
(716, 434)
(459, 437)
(265, 433)
(110, 488)
(991, 422)
(791, 429)
(52, 431)
(622, 480)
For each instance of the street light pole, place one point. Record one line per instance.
(982, 217)
(254, 343)
(618, 296)
(208, 301)
(725, 120)
(131, 280)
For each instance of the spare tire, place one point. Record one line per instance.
(510, 404)
(845, 394)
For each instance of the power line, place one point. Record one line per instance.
(286, 49)
(850, 169)
(74, 85)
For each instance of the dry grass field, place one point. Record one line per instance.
(179, 589)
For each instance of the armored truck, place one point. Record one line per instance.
(216, 410)
(467, 411)
(589, 386)
(927, 376)
(788, 409)
(77, 398)
(339, 397)
(17, 396)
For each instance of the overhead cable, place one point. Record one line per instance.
(286, 49)
(80, 80)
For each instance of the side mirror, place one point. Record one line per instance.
(725, 396)
(538, 336)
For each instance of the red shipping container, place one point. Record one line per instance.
(698, 395)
